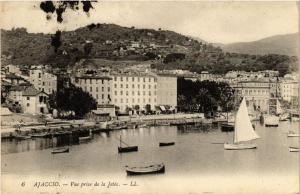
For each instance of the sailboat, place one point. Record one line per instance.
(243, 130)
(127, 148)
(272, 120)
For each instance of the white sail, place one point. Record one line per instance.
(243, 126)
(278, 107)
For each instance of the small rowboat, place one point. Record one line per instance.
(293, 134)
(294, 149)
(128, 149)
(87, 138)
(22, 137)
(151, 169)
(166, 143)
(41, 135)
(226, 127)
(60, 150)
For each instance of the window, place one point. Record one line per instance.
(121, 78)
(40, 75)
(121, 85)
(127, 79)
(28, 98)
(143, 86)
(115, 85)
(132, 93)
(138, 86)
(144, 80)
(126, 85)
(154, 86)
(97, 96)
(132, 85)
(149, 100)
(115, 78)
(28, 104)
(144, 100)
(149, 93)
(143, 93)
(102, 89)
(43, 83)
(116, 100)
(116, 93)
(138, 79)
(132, 100)
(96, 89)
(138, 93)
(133, 79)
(90, 81)
(121, 92)
(102, 96)
(108, 89)
(149, 86)
(102, 81)
(126, 93)
(91, 89)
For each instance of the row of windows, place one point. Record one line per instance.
(132, 86)
(135, 101)
(97, 90)
(255, 92)
(90, 81)
(133, 93)
(102, 96)
(135, 78)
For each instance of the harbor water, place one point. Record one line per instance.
(198, 155)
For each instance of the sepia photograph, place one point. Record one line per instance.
(149, 97)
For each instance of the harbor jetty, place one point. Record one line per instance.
(82, 127)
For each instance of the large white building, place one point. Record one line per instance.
(130, 90)
(43, 80)
(289, 90)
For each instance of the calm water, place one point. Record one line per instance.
(196, 152)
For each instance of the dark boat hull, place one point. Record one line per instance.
(128, 149)
(227, 127)
(58, 151)
(133, 173)
(166, 144)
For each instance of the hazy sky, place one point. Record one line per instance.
(221, 22)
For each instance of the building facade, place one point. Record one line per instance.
(256, 92)
(132, 90)
(42, 80)
(167, 90)
(100, 87)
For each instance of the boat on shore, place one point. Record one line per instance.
(127, 148)
(60, 150)
(151, 169)
(161, 144)
(243, 131)
(294, 149)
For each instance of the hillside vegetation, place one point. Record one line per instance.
(115, 43)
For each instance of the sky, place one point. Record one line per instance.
(216, 22)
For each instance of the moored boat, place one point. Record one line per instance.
(226, 127)
(86, 138)
(127, 148)
(271, 121)
(22, 137)
(41, 135)
(166, 144)
(294, 149)
(151, 169)
(243, 131)
(60, 150)
(293, 134)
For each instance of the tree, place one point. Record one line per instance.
(72, 99)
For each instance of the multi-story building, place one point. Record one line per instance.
(30, 99)
(130, 90)
(289, 90)
(100, 87)
(256, 92)
(167, 90)
(42, 80)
